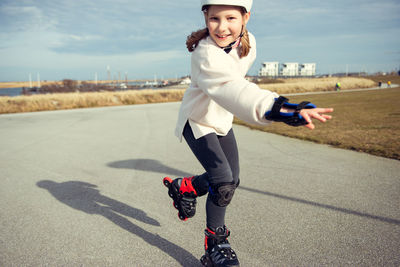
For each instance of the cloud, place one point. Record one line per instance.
(151, 34)
(99, 27)
(18, 19)
(84, 37)
(312, 17)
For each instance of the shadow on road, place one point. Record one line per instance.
(148, 165)
(325, 206)
(84, 197)
(156, 166)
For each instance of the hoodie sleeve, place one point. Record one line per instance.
(221, 78)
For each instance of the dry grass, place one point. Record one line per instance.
(394, 78)
(42, 83)
(101, 99)
(367, 121)
(85, 100)
(319, 84)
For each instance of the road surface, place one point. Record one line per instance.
(84, 188)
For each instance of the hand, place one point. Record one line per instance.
(315, 113)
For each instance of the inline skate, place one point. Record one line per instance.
(184, 195)
(218, 251)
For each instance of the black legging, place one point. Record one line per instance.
(219, 157)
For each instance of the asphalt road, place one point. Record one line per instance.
(83, 188)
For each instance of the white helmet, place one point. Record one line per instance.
(243, 3)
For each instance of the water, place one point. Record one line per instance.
(10, 91)
(18, 91)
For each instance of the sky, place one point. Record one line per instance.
(145, 39)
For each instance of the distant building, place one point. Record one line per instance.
(292, 69)
(307, 69)
(269, 69)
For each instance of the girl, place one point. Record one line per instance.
(222, 53)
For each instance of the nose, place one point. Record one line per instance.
(223, 25)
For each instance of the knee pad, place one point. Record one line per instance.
(221, 194)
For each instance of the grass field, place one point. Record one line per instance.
(395, 79)
(42, 83)
(290, 86)
(367, 121)
(86, 100)
(58, 101)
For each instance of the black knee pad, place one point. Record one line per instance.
(221, 194)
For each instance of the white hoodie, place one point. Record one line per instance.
(219, 90)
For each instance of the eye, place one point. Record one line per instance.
(231, 18)
(213, 18)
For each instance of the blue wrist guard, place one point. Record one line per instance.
(290, 118)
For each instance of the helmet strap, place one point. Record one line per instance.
(234, 44)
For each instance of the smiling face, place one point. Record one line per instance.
(225, 23)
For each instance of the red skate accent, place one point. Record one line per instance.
(208, 229)
(206, 238)
(167, 181)
(186, 186)
(182, 218)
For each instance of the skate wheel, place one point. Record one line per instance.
(167, 181)
(175, 206)
(183, 218)
(205, 261)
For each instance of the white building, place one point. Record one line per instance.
(294, 69)
(269, 69)
(290, 69)
(307, 69)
